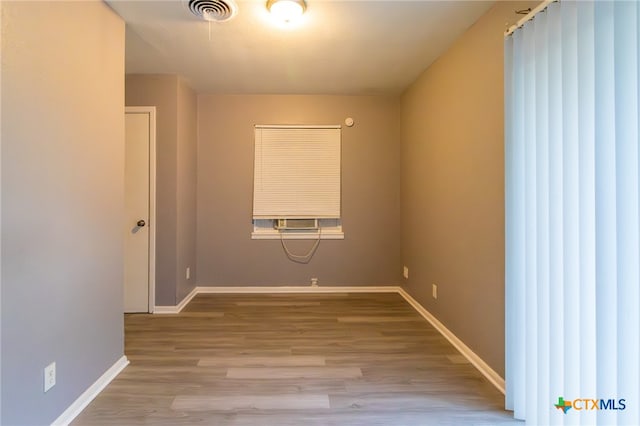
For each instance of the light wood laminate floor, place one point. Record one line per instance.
(321, 359)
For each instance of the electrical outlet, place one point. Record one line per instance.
(405, 273)
(314, 282)
(188, 273)
(49, 376)
(434, 291)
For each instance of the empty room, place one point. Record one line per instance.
(319, 212)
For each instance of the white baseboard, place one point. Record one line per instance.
(87, 396)
(179, 307)
(473, 358)
(299, 289)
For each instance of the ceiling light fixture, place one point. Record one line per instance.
(286, 10)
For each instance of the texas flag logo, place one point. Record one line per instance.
(563, 405)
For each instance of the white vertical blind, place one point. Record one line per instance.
(572, 213)
(296, 172)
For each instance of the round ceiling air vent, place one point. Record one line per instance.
(213, 10)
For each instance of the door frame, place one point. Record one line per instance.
(151, 111)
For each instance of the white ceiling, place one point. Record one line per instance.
(338, 47)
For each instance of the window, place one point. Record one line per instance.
(297, 176)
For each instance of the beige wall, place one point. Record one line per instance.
(186, 189)
(369, 254)
(62, 202)
(176, 135)
(453, 185)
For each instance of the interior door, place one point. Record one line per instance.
(137, 184)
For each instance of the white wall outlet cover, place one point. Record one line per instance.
(348, 121)
(405, 272)
(49, 376)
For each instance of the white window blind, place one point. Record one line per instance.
(296, 172)
(573, 215)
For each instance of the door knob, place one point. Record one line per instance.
(141, 223)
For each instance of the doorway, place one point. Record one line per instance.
(140, 194)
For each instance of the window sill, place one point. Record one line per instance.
(273, 234)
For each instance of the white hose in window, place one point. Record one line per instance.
(304, 259)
